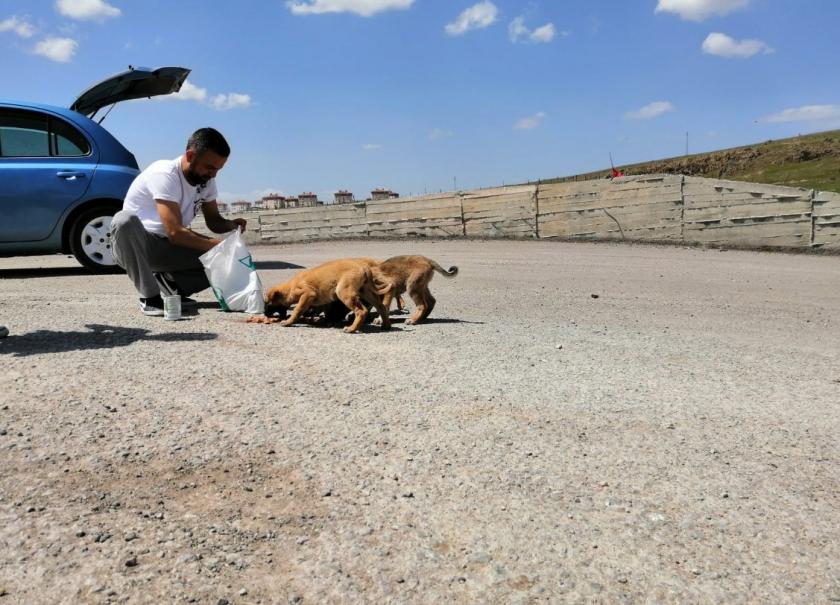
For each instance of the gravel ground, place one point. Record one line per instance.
(578, 423)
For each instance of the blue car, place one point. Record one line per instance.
(63, 176)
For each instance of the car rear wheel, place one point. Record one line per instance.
(90, 239)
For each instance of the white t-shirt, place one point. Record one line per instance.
(164, 180)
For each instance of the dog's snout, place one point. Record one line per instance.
(275, 311)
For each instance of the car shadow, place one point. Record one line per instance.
(96, 337)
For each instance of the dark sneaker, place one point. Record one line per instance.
(4, 331)
(152, 307)
(187, 302)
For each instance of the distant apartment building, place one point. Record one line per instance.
(343, 197)
(222, 207)
(307, 200)
(240, 206)
(273, 201)
(383, 194)
(292, 202)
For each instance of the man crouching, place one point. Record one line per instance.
(151, 236)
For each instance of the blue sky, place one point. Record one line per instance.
(316, 95)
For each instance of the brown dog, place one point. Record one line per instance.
(350, 280)
(412, 273)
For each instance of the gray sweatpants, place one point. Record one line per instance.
(153, 263)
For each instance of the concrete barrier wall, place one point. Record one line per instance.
(425, 216)
(652, 208)
(304, 224)
(747, 214)
(501, 212)
(636, 208)
(827, 220)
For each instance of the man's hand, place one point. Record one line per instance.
(217, 223)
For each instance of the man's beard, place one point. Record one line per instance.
(193, 178)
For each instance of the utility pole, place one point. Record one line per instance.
(454, 183)
(686, 142)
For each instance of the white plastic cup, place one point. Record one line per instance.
(172, 307)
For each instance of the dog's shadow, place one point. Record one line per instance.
(96, 337)
(369, 326)
(436, 320)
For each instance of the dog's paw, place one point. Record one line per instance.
(377, 321)
(286, 323)
(409, 322)
(349, 330)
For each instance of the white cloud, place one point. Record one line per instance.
(364, 8)
(478, 16)
(87, 10)
(700, 10)
(517, 31)
(220, 102)
(722, 45)
(371, 146)
(188, 92)
(651, 110)
(439, 133)
(231, 101)
(22, 28)
(545, 33)
(531, 122)
(60, 50)
(807, 113)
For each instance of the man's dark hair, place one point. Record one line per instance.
(209, 139)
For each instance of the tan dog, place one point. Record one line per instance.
(411, 273)
(350, 280)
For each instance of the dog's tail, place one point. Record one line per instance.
(453, 271)
(382, 290)
(377, 280)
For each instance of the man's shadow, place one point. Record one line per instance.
(275, 264)
(35, 272)
(97, 337)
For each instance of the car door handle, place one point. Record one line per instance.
(69, 174)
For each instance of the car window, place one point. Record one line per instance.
(67, 141)
(34, 135)
(24, 135)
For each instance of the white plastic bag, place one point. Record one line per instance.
(233, 276)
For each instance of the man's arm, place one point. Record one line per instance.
(216, 223)
(170, 216)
